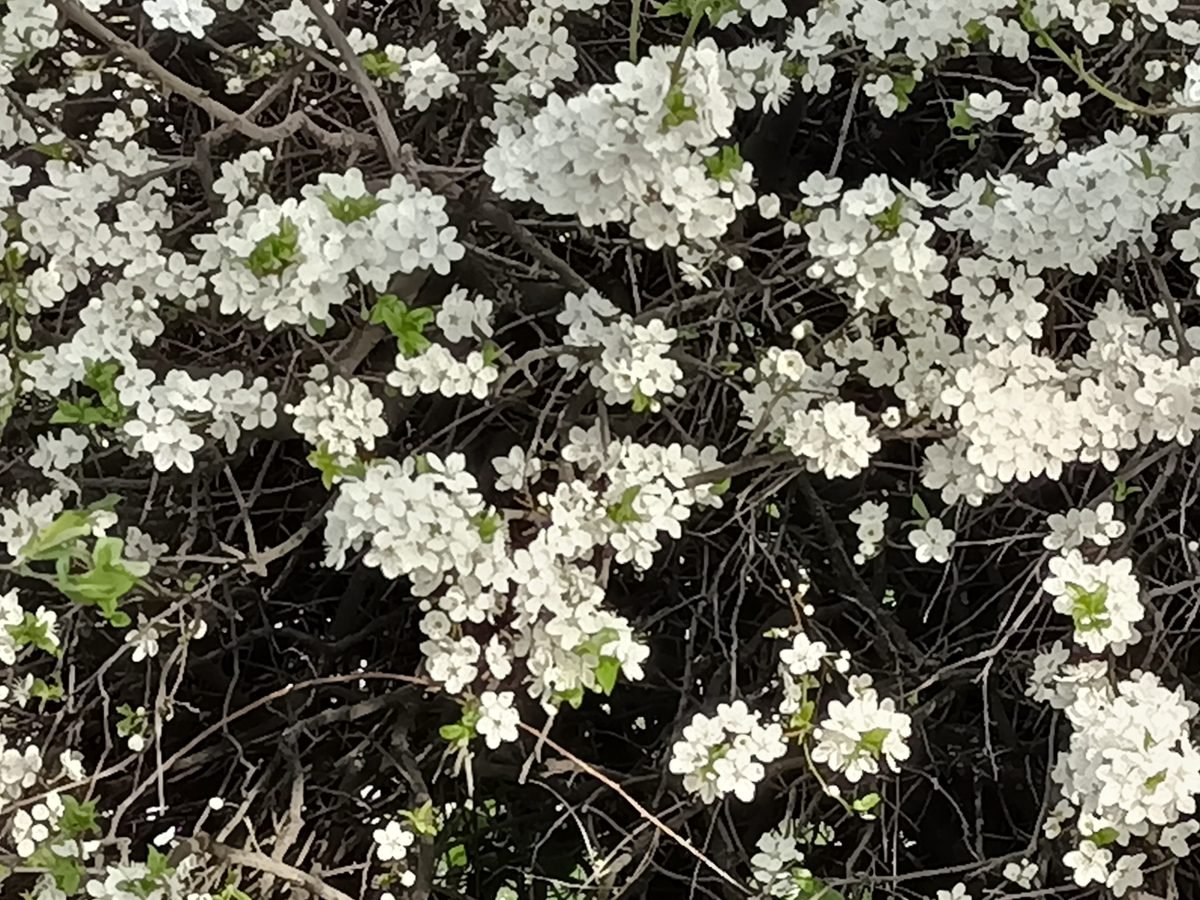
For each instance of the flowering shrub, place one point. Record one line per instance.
(571, 448)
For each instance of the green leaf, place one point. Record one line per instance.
(1155, 780)
(332, 467)
(30, 632)
(961, 120)
(720, 487)
(573, 697)
(890, 219)
(422, 819)
(157, 865)
(1104, 836)
(119, 619)
(920, 508)
(78, 819)
(640, 402)
(902, 88)
(1122, 490)
(59, 150)
(717, 9)
(491, 352)
(802, 719)
(351, 209)
(622, 512)
(67, 872)
(488, 525)
(456, 857)
(46, 692)
(976, 31)
(607, 672)
(866, 803)
(406, 325)
(1089, 609)
(274, 253)
(379, 65)
(872, 741)
(51, 541)
(723, 164)
(679, 110)
(454, 733)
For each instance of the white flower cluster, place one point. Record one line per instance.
(422, 73)
(22, 520)
(438, 371)
(392, 842)
(777, 866)
(1042, 120)
(185, 16)
(289, 263)
(1075, 527)
(1102, 599)
(871, 518)
(932, 541)
(628, 361)
(855, 736)
(339, 415)
(241, 178)
(13, 615)
(166, 411)
(471, 14)
(726, 753)
(462, 317)
(537, 54)
(425, 518)
(641, 150)
(1130, 771)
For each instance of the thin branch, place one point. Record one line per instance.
(275, 867)
(297, 121)
(366, 87)
(641, 810)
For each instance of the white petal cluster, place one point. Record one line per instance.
(497, 718)
(517, 470)
(471, 14)
(540, 600)
(628, 360)
(1070, 530)
(871, 518)
(1042, 119)
(777, 865)
(632, 151)
(438, 371)
(833, 438)
(1102, 598)
(423, 74)
(932, 541)
(339, 414)
(463, 317)
(167, 412)
(538, 54)
(726, 753)
(185, 16)
(854, 737)
(1130, 770)
(289, 263)
(23, 517)
(57, 453)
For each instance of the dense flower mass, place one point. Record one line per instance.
(443, 440)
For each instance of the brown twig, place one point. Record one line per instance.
(370, 95)
(297, 121)
(638, 808)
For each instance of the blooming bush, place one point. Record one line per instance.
(570, 448)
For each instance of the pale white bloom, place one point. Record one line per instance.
(932, 541)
